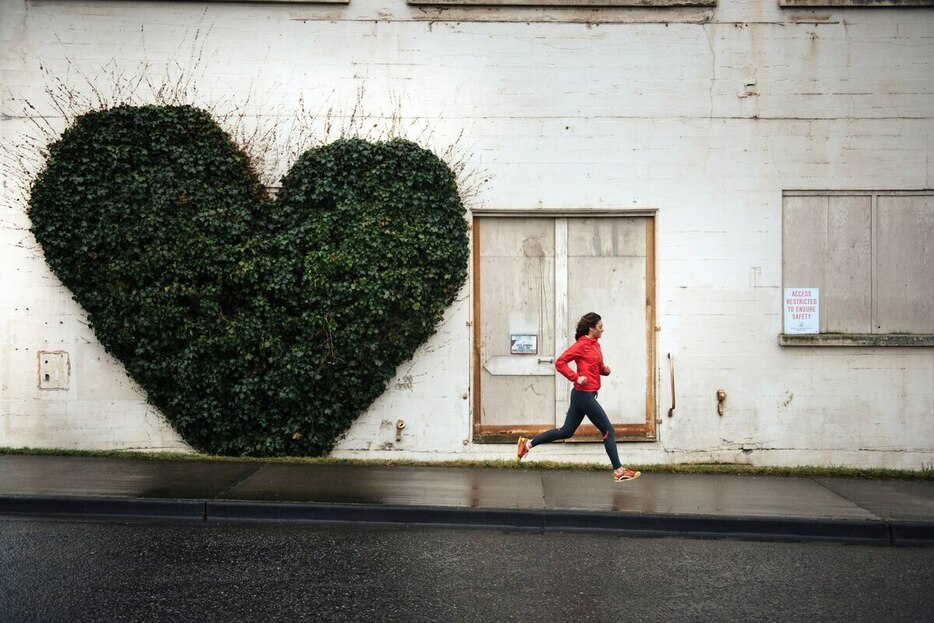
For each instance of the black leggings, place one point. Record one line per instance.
(584, 403)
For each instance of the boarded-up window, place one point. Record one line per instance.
(870, 253)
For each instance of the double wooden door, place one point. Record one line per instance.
(534, 277)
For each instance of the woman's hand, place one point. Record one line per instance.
(605, 371)
(582, 380)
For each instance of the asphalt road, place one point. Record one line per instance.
(95, 571)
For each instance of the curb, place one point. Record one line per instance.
(441, 516)
(137, 508)
(757, 528)
(873, 532)
(912, 533)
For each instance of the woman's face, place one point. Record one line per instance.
(597, 331)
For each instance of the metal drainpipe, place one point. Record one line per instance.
(671, 373)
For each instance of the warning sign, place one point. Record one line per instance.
(802, 310)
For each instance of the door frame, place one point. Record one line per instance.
(646, 431)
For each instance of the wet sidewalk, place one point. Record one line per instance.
(899, 512)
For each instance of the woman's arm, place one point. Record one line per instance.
(561, 364)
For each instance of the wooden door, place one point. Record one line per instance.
(533, 278)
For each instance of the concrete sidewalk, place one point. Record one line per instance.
(899, 512)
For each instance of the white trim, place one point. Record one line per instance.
(578, 213)
(561, 313)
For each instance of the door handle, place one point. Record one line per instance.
(546, 360)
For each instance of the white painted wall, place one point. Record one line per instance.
(706, 115)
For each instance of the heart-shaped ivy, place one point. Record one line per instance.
(257, 326)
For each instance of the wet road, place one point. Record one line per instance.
(98, 571)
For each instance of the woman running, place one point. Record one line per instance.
(588, 359)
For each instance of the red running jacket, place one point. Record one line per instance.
(588, 359)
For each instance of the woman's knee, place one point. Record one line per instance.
(564, 433)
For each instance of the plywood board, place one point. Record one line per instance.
(904, 301)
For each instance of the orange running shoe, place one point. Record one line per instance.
(521, 449)
(624, 473)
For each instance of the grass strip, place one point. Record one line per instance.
(733, 469)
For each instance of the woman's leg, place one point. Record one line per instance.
(597, 415)
(573, 419)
